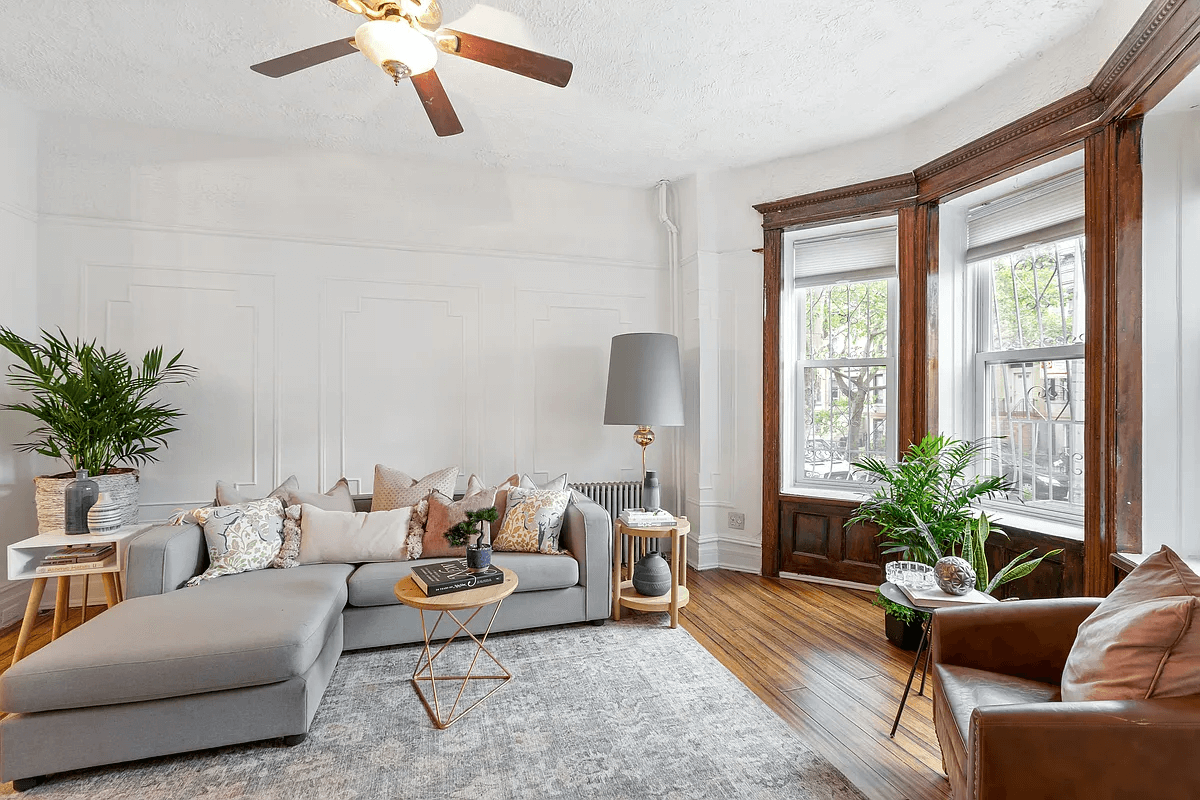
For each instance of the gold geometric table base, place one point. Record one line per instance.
(424, 668)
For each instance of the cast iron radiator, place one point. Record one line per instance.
(614, 497)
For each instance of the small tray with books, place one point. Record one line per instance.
(445, 577)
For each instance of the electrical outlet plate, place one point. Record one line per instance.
(737, 520)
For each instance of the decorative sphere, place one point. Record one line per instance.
(954, 575)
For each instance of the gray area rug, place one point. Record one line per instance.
(628, 710)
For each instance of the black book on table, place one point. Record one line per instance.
(445, 577)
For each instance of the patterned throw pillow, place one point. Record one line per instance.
(241, 537)
(444, 514)
(533, 522)
(395, 489)
(289, 551)
(229, 495)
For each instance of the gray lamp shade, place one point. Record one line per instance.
(644, 383)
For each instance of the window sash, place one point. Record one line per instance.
(1061, 511)
(795, 429)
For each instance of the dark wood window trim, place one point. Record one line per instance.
(1105, 118)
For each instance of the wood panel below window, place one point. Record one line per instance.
(816, 538)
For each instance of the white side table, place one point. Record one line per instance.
(25, 555)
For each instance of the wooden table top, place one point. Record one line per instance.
(408, 593)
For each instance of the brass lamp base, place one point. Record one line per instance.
(645, 437)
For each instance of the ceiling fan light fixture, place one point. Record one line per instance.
(396, 47)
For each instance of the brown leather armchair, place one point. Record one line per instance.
(1005, 733)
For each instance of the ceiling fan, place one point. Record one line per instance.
(403, 38)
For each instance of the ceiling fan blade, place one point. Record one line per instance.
(437, 104)
(303, 59)
(540, 67)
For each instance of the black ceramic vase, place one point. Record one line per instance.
(651, 491)
(78, 498)
(652, 575)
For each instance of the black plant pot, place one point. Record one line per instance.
(479, 558)
(905, 635)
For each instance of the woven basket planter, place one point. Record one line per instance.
(121, 485)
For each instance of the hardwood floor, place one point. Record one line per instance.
(815, 654)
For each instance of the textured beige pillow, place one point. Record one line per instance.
(229, 495)
(533, 522)
(395, 489)
(336, 499)
(289, 551)
(474, 485)
(340, 537)
(1143, 640)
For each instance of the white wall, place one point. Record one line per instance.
(18, 304)
(1171, 332)
(345, 310)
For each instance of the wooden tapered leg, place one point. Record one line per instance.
(674, 580)
(36, 590)
(119, 583)
(87, 581)
(110, 589)
(62, 604)
(616, 586)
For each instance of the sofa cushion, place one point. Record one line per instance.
(374, 584)
(965, 689)
(250, 629)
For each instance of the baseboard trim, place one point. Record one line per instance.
(740, 556)
(792, 576)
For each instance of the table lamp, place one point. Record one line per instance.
(644, 385)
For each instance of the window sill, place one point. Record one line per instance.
(1002, 517)
(1127, 561)
(821, 493)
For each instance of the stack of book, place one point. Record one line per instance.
(640, 518)
(936, 598)
(70, 559)
(453, 576)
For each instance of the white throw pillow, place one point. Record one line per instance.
(228, 494)
(240, 537)
(558, 484)
(341, 537)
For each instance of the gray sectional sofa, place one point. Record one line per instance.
(245, 657)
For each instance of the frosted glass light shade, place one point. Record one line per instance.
(383, 41)
(644, 381)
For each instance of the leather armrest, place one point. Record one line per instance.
(1101, 749)
(587, 533)
(1023, 638)
(164, 558)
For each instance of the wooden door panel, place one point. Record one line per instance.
(809, 534)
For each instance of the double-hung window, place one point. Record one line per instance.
(838, 342)
(1025, 260)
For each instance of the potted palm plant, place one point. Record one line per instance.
(925, 506)
(96, 412)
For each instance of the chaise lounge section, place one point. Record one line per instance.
(245, 657)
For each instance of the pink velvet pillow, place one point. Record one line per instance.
(1143, 640)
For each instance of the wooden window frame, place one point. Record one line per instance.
(1105, 118)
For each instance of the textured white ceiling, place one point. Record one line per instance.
(660, 89)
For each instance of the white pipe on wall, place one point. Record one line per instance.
(673, 272)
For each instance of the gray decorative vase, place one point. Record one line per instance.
(652, 575)
(651, 491)
(479, 558)
(78, 498)
(954, 575)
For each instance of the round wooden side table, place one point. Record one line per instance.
(408, 593)
(623, 592)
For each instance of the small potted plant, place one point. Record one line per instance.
(925, 508)
(479, 555)
(96, 411)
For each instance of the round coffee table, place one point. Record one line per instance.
(408, 593)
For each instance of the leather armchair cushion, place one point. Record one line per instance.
(1143, 640)
(964, 689)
